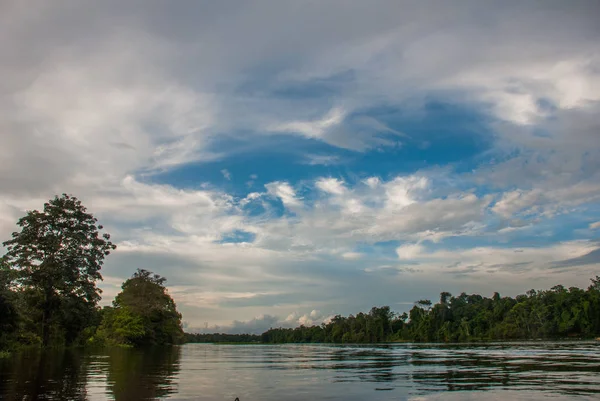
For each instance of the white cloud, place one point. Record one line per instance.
(514, 202)
(409, 251)
(483, 261)
(352, 255)
(285, 192)
(403, 191)
(226, 174)
(399, 209)
(546, 199)
(312, 129)
(325, 160)
(262, 323)
(372, 182)
(257, 325)
(331, 186)
(250, 197)
(594, 226)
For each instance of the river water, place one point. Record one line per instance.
(417, 372)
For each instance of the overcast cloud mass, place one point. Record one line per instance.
(284, 161)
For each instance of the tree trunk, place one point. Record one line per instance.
(46, 316)
(45, 326)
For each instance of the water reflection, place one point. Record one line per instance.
(142, 374)
(531, 371)
(72, 374)
(54, 375)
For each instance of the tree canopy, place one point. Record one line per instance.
(48, 286)
(55, 260)
(143, 313)
(551, 314)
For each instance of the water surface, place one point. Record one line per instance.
(500, 371)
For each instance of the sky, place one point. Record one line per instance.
(280, 162)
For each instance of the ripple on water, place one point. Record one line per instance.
(499, 371)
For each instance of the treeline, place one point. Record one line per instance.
(553, 314)
(222, 338)
(557, 313)
(48, 292)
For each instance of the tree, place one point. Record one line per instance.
(143, 313)
(57, 256)
(444, 297)
(556, 313)
(9, 317)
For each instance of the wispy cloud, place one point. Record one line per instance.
(226, 174)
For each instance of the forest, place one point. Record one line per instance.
(223, 338)
(558, 313)
(48, 291)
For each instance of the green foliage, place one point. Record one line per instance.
(9, 316)
(553, 314)
(379, 325)
(121, 327)
(142, 314)
(222, 338)
(48, 293)
(56, 260)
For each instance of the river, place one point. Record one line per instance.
(417, 372)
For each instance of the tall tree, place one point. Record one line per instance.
(143, 313)
(58, 255)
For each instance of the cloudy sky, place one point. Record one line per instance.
(283, 161)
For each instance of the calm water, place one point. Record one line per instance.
(530, 371)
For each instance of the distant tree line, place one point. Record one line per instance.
(48, 292)
(557, 313)
(553, 314)
(222, 338)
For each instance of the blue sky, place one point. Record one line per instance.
(282, 162)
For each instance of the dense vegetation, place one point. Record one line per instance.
(553, 314)
(222, 338)
(142, 314)
(48, 292)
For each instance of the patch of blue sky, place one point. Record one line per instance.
(444, 135)
(237, 236)
(383, 248)
(440, 136)
(251, 165)
(260, 207)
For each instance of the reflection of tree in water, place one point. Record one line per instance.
(485, 367)
(62, 374)
(460, 373)
(429, 368)
(143, 374)
(368, 364)
(50, 374)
